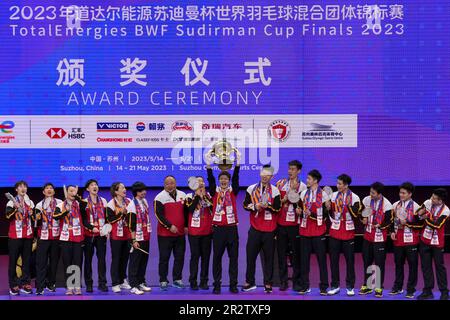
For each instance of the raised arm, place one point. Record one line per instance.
(235, 180)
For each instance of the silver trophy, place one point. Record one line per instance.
(27, 200)
(293, 196)
(193, 183)
(106, 229)
(401, 213)
(367, 212)
(328, 191)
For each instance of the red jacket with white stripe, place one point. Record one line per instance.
(169, 210)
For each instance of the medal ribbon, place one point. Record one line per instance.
(74, 211)
(435, 215)
(378, 212)
(141, 215)
(48, 212)
(257, 195)
(340, 207)
(318, 199)
(96, 209)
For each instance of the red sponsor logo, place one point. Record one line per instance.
(56, 133)
(181, 125)
(279, 130)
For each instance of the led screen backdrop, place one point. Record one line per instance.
(129, 90)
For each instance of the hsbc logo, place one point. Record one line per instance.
(56, 133)
(60, 133)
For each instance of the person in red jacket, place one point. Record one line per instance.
(48, 251)
(199, 224)
(96, 215)
(225, 221)
(375, 237)
(434, 213)
(405, 235)
(140, 227)
(316, 204)
(72, 214)
(120, 236)
(169, 210)
(345, 207)
(263, 202)
(288, 239)
(19, 213)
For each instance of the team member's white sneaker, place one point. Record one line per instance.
(125, 285)
(116, 289)
(144, 287)
(333, 291)
(350, 292)
(136, 291)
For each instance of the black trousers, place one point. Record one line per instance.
(225, 238)
(200, 249)
(138, 264)
(120, 252)
(319, 246)
(288, 240)
(72, 255)
(374, 252)
(401, 255)
(347, 247)
(427, 255)
(47, 257)
(166, 246)
(97, 244)
(17, 248)
(258, 241)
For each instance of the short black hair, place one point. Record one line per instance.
(169, 176)
(19, 183)
(408, 186)
(296, 163)
(225, 173)
(441, 193)
(315, 174)
(70, 186)
(138, 186)
(345, 178)
(47, 184)
(114, 188)
(88, 183)
(377, 186)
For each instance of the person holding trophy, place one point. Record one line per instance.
(316, 205)
(288, 238)
(434, 213)
(120, 236)
(199, 224)
(96, 215)
(48, 251)
(72, 214)
(377, 218)
(224, 210)
(169, 210)
(19, 213)
(263, 202)
(405, 235)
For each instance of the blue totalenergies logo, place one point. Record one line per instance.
(6, 126)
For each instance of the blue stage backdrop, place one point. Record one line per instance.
(126, 90)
